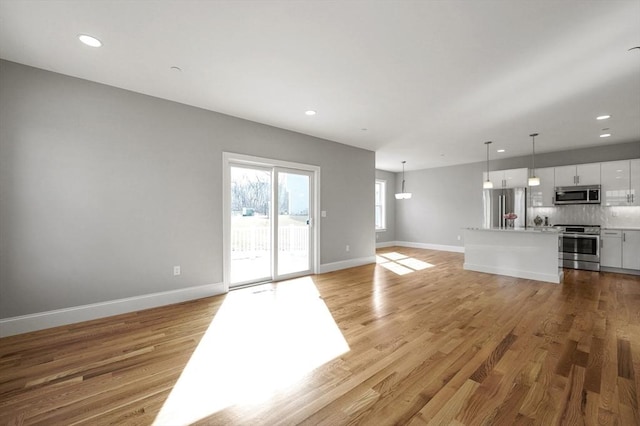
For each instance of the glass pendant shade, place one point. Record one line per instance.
(487, 184)
(534, 181)
(403, 195)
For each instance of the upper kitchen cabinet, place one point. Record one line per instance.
(634, 184)
(542, 195)
(581, 174)
(512, 178)
(621, 183)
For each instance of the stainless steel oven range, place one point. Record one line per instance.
(580, 246)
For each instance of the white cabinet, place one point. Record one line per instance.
(634, 182)
(620, 249)
(516, 178)
(542, 195)
(621, 183)
(565, 176)
(512, 178)
(581, 174)
(631, 249)
(611, 248)
(615, 183)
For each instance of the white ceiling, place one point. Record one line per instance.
(430, 81)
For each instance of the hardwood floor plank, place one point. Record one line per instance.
(436, 346)
(625, 363)
(575, 402)
(483, 371)
(593, 375)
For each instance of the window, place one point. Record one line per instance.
(381, 189)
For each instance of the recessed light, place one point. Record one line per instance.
(310, 112)
(501, 150)
(603, 117)
(364, 129)
(89, 41)
(605, 135)
(619, 170)
(177, 69)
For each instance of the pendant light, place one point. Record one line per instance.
(403, 195)
(534, 180)
(487, 184)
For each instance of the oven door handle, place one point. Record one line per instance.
(576, 236)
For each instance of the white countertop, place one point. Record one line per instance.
(540, 230)
(623, 228)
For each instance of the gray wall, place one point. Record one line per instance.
(447, 199)
(390, 233)
(103, 190)
(444, 200)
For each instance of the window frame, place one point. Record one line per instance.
(383, 205)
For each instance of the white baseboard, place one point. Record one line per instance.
(619, 270)
(550, 278)
(456, 249)
(42, 320)
(344, 264)
(386, 244)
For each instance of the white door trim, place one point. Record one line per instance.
(229, 158)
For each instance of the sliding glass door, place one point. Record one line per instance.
(293, 238)
(251, 224)
(271, 225)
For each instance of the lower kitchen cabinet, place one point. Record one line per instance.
(620, 248)
(611, 249)
(630, 249)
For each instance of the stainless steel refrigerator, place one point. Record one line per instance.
(498, 202)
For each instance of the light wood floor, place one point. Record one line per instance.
(438, 345)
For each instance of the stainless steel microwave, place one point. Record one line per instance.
(577, 195)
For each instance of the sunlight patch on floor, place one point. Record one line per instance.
(262, 340)
(397, 268)
(415, 264)
(393, 255)
(401, 264)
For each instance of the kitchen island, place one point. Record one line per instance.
(523, 253)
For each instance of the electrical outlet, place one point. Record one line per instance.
(176, 270)
(459, 237)
(323, 213)
(347, 248)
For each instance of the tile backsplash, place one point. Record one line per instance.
(585, 214)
